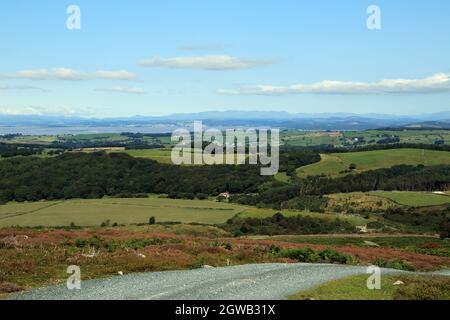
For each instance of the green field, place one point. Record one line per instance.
(368, 137)
(405, 136)
(413, 199)
(122, 211)
(160, 155)
(313, 138)
(389, 199)
(336, 163)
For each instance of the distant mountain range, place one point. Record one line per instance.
(223, 119)
(282, 115)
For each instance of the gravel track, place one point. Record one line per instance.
(247, 282)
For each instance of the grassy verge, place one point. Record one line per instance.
(355, 288)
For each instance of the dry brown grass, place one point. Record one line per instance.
(33, 257)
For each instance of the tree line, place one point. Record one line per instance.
(329, 148)
(12, 150)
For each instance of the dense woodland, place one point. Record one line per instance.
(11, 150)
(80, 175)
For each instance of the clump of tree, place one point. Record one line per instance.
(311, 203)
(279, 224)
(8, 150)
(436, 220)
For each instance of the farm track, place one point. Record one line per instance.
(246, 282)
(30, 212)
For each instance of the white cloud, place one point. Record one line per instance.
(69, 74)
(210, 62)
(114, 75)
(436, 83)
(20, 88)
(39, 110)
(119, 89)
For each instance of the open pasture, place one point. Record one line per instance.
(121, 211)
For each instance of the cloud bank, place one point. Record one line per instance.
(210, 62)
(39, 110)
(436, 83)
(20, 88)
(69, 74)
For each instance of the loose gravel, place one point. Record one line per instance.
(246, 282)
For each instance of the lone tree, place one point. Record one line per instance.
(152, 220)
(352, 166)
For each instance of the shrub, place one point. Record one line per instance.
(309, 255)
(7, 287)
(202, 196)
(152, 220)
(402, 265)
(380, 262)
(333, 256)
(95, 242)
(375, 225)
(111, 246)
(444, 229)
(139, 243)
(244, 229)
(275, 249)
(302, 255)
(105, 223)
(277, 217)
(424, 289)
(79, 243)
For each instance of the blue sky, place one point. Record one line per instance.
(176, 56)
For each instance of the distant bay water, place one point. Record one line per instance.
(62, 130)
